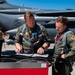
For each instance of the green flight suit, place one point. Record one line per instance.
(33, 38)
(64, 66)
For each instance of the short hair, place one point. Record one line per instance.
(28, 14)
(62, 19)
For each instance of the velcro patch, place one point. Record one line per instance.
(73, 37)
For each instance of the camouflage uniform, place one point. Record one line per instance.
(64, 66)
(34, 38)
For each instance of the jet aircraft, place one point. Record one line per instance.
(11, 17)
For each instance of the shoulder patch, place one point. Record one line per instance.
(73, 37)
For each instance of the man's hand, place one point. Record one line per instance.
(19, 49)
(63, 56)
(40, 50)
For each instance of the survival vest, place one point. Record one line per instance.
(64, 41)
(23, 31)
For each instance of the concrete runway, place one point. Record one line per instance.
(12, 47)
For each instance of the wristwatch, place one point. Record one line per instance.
(42, 47)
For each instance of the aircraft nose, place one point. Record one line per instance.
(12, 32)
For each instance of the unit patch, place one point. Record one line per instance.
(73, 37)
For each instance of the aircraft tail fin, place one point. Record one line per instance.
(22, 5)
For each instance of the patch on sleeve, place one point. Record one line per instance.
(73, 37)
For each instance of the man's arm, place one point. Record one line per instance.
(18, 40)
(46, 39)
(71, 42)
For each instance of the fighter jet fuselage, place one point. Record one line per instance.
(11, 17)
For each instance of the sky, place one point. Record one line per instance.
(46, 4)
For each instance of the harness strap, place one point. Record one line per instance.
(64, 45)
(64, 37)
(23, 31)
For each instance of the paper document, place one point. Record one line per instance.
(40, 55)
(23, 54)
(33, 55)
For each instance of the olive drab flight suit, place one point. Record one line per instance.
(32, 39)
(63, 66)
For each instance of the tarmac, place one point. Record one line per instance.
(12, 47)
